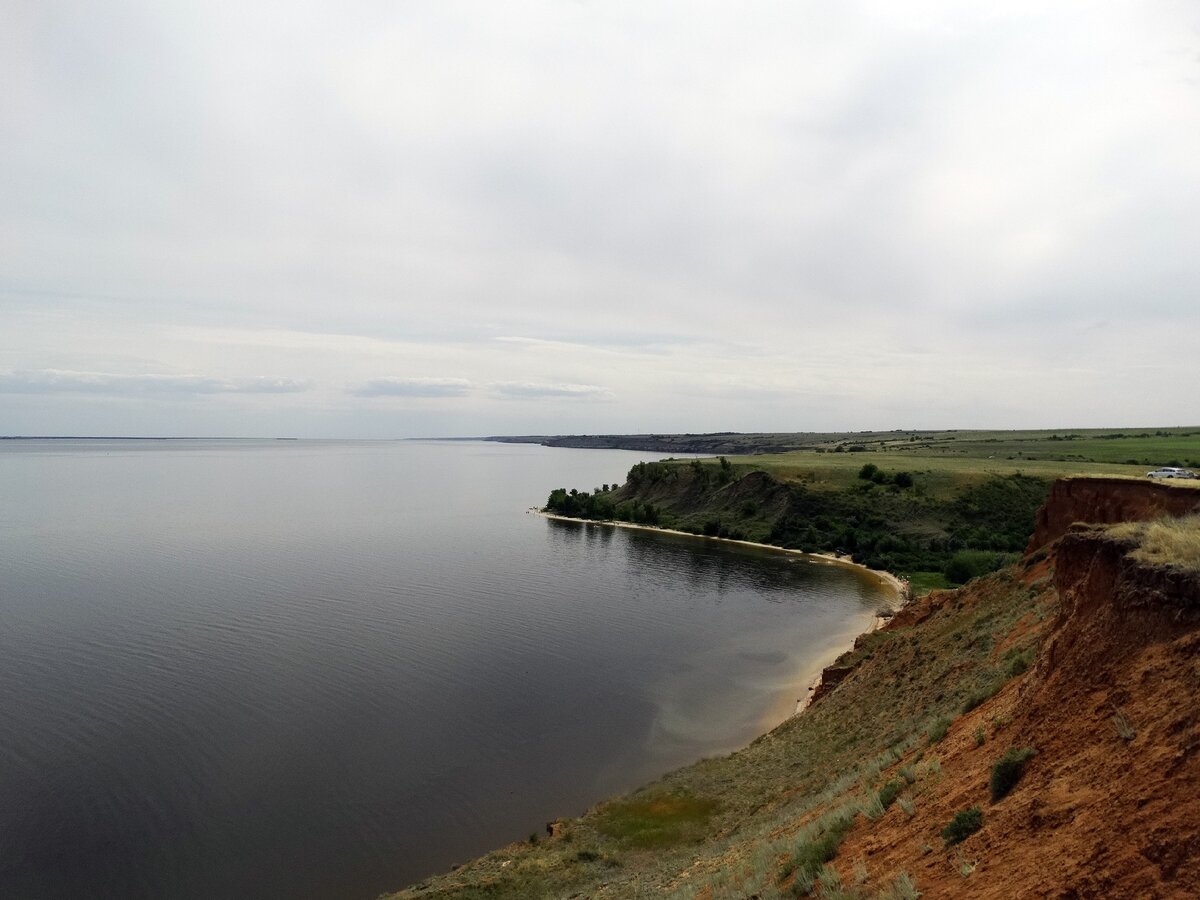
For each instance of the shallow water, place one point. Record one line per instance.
(326, 669)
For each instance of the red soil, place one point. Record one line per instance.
(1097, 814)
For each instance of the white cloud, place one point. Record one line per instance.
(524, 390)
(53, 381)
(414, 387)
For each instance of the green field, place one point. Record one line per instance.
(952, 460)
(1144, 447)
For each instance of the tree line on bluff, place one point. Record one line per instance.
(883, 522)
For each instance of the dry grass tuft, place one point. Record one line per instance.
(1164, 542)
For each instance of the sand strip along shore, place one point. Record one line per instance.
(811, 674)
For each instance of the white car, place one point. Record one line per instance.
(1170, 472)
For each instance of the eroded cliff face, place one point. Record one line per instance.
(1110, 804)
(1105, 501)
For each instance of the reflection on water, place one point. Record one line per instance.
(325, 669)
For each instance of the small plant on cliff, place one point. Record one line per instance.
(938, 730)
(1124, 726)
(871, 807)
(1018, 661)
(964, 824)
(809, 858)
(903, 888)
(1008, 770)
(987, 692)
(889, 792)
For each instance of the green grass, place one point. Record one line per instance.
(890, 791)
(808, 859)
(980, 695)
(921, 583)
(942, 463)
(1143, 448)
(937, 731)
(939, 476)
(656, 821)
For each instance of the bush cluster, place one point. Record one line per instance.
(964, 824)
(1008, 770)
(601, 505)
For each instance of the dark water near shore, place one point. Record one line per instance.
(325, 669)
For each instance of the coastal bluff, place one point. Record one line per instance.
(1031, 734)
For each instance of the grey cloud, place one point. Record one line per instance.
(638, 341)
(56, 381)
(708, 192)
(414, 387)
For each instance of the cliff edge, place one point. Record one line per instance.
(1104, 501)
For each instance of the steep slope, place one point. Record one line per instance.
(1083, 656)
(1109, 805)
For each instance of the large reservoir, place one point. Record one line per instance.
(314, 669)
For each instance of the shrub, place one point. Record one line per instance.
(968, 564)
(871, 807)
(938, 730)
(810, 856)
(889, 792)
(1007, 771)
(1019, 662)
(964, 824)
(977, 697)
(1124, 726)
(903, 888)
(867, 472)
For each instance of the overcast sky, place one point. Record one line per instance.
(382, 219)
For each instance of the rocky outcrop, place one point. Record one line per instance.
(1104, 501)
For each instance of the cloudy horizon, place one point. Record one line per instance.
(375, 220)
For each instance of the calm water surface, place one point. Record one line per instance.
(327, 669)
